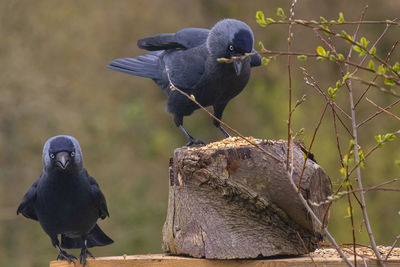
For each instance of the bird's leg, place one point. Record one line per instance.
(192, 141)
(62, 254)
(218, 110)
(84, 251)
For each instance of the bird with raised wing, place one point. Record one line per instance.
(66, 200)
(188, 60)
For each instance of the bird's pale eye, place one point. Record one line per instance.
(72, 154)
(231, 48)
(52, 155)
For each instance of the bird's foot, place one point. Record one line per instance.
(63, 255)
(83, 256)
(224, 131)
(195, 142)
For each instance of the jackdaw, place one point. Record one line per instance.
(189, 57)
(66, 200)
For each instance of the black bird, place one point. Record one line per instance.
(189, 58)
(66, 200)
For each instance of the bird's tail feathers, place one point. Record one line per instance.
(144, 66)
(96, 238)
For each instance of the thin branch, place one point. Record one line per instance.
(309, 23)
(289, 131)
(305, 248)
(391, 249)
(339, 194)
(378, 112)
(386, 60)
(173, 87)
(384, 110)
(318, 221)
(356, 158)
(315, 85)
(311, 144)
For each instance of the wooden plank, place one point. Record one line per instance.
(161, 260)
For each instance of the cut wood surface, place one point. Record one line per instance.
(230, 200)
(159, 260)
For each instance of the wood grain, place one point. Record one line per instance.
(237, 202)
(160, 260)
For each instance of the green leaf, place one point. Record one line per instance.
(390, 82)
(332, 92)
(261, 45)
(351, 144)
(345, 160)
(260, 19)
(280, 13)
(378, 138)
(270, 20)
(371, 65)
(381, 70)
(338, 84)
(341, 18)
(302, 57)
(340, 57)
(360, 155)
(389, 137)
(265, 61)
(332, 58)
(343, 172)
(348, 212)
(364, 42)
(396, 67)
(357, 49)
(321, 51)
(372, 51)
(323, 20)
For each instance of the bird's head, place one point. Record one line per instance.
(62, 153)
(230, 38)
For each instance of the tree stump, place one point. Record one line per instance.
(230, 200)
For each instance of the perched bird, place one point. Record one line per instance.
(189, 59)
(66, 200)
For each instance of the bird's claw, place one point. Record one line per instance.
(63, 255)
(83, 256)
(195, 142)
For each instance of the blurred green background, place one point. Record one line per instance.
(53, 80)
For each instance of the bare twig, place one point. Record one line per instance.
(305, 248)
(356, 158)
(309, 23)
(223, 123)
(315, 85)
(386, 60)
(339, 194)
(378, 112)
(289, 131)
(391, 249)
(310, 147)
(383, 109)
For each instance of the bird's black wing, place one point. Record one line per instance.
(183, 39)
(98, 196)
(186, 67)
(26, 206)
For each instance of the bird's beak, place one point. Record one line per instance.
(63, 159)
(237, 64)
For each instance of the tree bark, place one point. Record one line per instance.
(237, 202)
